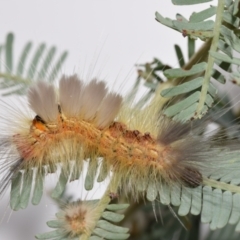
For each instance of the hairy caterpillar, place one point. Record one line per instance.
(83, 121)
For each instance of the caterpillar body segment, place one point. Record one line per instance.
(85, 121)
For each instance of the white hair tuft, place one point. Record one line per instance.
(70, 92)
(42, 100)
(93, 95)
(108, 110)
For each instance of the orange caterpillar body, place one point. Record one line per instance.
(86, 122)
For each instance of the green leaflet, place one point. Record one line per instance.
(21, 189)
(217, 200)
(61, 185)
(205, 14)
(104, 172)
(110, 227)
(225, 58)
(178, 72)
(229, 18)
(185, 205)
(195, 106)
(26, 188)
(114, 217)
(91, 173)
(51, 235)
(108, 235)
(15, 80)
(9, 52)
(179, 55)
(191, 47)
(117, 207)
(189, 2)
(47, 62)
(165, 21)
(16, 191)
(164, 194)
(182, 88)
(35, 61)
(197, 26)
(224, 233)
(151, 191)
(235, 215)
(235, 7)
(184, 104)
(38, 188)
(23, 58)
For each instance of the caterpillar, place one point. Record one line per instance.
(80, 121)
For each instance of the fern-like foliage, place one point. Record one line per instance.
(196, 79)
(218, 200)
(15, 78)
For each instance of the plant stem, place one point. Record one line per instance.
(221, 185)
(15, 78)
(210, 62)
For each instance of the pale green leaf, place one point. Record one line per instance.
(191, 47)
(26, 189)
(91, 174)
(113, 217)
(189, 2)
(236, 7)
(104, 172)
(225, 58)
(179, 72)
(110, 227)
(60, 187)
(49, 235)
(175, 195)
(32, 70)
(225, 48)
(110, 236)
(95, 238)
(185, 205)
(9, 53)
(179, 54)
(235, 215)
(225, 31)
(196, 200)
(205, 14)
(23, 58)
(76, 170)
(164, 193)
(225, 209)
(181, 18)
(55, 223)
(165, 21)
(47, 63)
(16, 191)
(187, 113)
(117, 207)
(151, 191)
(229, 18)
(206, 216)
(196, 26)
(182, 88)
(216, 208)
(178, 107)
